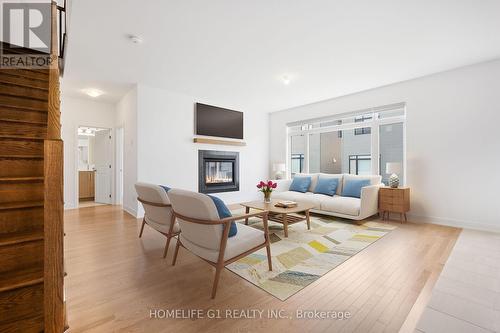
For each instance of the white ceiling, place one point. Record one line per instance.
(234, 52)
(76, 86)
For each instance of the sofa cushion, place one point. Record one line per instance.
(307, 197)
(327, 186)
(352, 188)
(246, 239)
(300, 184)
(314, 179)
(342, 205)
(338, 176)
(374, 179)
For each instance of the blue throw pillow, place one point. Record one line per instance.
(300, 184)
(327, 186)
(352, 187)
(224, 212)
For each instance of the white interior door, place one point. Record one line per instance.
(102, 160)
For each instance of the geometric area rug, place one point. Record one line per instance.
(306, 255)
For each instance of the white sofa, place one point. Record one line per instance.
(336, 205)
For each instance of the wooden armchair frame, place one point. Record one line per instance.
(221, 263)
(170, 234)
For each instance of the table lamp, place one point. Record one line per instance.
(279, 168)
(393, 168)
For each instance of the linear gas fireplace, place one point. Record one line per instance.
(218, 171)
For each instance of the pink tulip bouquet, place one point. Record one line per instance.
(267, 189)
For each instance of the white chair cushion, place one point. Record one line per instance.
(197, 206)
(151, 193)
(307, 197)
(246, 239)
(342, 205)
(162, 227)
(158, 218)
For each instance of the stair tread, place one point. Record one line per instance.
(27, 107)
(22, 156)
(20, 278)
(19, 49)
(23, 96)
(21, 237)
(20, 204)
(20, 179)
(21, 81)
(21, 137)
(23, 121)
(15, 108)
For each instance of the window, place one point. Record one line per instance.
(297, 153)
(391, 149)
(360, 164)
(325, 152)
(360, 142)
(297, 163)
(363, 130)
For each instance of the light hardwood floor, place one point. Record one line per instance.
(115, 279)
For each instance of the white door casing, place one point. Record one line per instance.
(102, 160)
(119, 166)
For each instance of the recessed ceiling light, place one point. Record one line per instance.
(94, 93)
(135, 39)
(286, 79)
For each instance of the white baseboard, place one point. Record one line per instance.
(454, 223)
(68, 207)
(130, 211)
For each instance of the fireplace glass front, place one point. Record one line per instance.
(218, 171)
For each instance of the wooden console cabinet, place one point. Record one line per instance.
(86, 187)
(394, 200)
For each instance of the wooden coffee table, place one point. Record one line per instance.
(284, 216)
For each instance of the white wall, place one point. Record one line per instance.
(126, 118)
(168, 156)
(79, 112)
(452, 141)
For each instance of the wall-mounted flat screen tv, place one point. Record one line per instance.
(214, 121)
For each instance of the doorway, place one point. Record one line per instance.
(95, 152)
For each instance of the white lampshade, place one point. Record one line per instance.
(279, 167)
(393, 167)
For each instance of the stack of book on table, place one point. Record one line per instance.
(286, 204)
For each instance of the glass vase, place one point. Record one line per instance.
(267, 197)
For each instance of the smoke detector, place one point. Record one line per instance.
(135, 39)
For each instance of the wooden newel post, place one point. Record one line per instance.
(53, 237)
(53, 198)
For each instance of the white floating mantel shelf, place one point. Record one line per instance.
(219, 142)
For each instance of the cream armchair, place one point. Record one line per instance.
(157, 211)
(207, 236)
